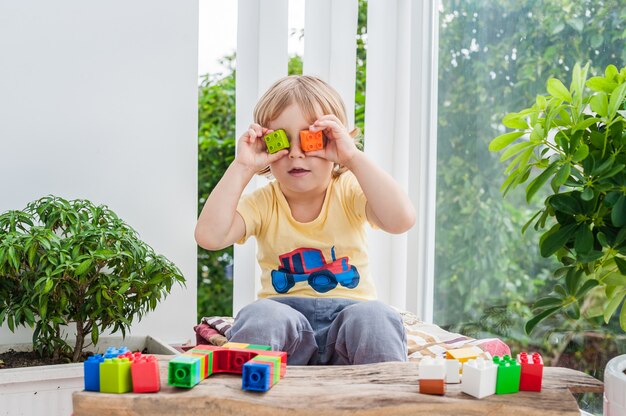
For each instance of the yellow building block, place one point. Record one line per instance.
(463, 354)
(235, 345)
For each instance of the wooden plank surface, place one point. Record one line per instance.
(375, 389)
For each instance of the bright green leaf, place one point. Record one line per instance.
(504, 140)
(557, 89)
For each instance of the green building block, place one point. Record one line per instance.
(184, 371)
(275, 363)
(509, 373)
(259, 347)
(115, 376)
(276, 141)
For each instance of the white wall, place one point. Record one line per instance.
(98, 100)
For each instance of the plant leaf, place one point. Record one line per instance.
(613, 304)
(618, 213)
(504, 140)
(557, 89)
(530, 325)
(557, 239)
(539, 181)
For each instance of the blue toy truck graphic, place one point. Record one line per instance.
(308, 264)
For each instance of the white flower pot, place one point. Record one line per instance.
(47, 390)
(615, 387)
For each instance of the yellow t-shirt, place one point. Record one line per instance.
(296, 258)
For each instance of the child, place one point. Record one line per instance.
(316, 207)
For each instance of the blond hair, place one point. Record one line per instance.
(309, 93)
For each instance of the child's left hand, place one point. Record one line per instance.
(340, 147)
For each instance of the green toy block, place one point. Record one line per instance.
(509, 373)
(276, 141)
(184, 371)
(259, 347)
(115, 376)
(275, 363)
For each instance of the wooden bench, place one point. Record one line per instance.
(377, 389)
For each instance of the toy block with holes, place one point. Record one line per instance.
(91, 371)
(145, 374)
(509, 371)
(432, 373)
(479, 378)
(311, 140)
(260, 367)
(531, 371)
(115, 376)
(276, 141)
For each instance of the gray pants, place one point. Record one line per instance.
(323, 330)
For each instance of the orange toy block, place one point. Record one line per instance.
(311, 140)
(436, 387)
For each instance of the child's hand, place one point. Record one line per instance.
(340, 147)
(252, 151)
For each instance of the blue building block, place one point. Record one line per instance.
(256, 377)
(113, 352)
(91, 370)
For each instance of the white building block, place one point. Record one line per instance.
(432, 368)
(479, 378)
(453, 371)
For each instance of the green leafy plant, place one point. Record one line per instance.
(576, 139)
(72, 262)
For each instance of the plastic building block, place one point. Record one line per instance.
(268, 367)
(113, 352)
(184, 371)
(532, 371)
(145, 374)
(276, 141)
(311, 140)
(91, 370)
(509, 372)
(432, 372)
(479, 378)
(115, 376)
(256, 376)
(463, 354)
(432, 368)
(436, 387)
(453, 371)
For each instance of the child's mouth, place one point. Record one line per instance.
(298, 172)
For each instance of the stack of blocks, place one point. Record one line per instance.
(260, 367)
(120, 371)
(432, 372)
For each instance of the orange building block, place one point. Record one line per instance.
(436, 387)
(311, 140)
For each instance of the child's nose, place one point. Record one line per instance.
(295, 151)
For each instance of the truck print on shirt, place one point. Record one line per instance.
(309, 264)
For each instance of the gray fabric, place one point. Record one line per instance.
(323, 330)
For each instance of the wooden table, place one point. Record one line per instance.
(375, 389)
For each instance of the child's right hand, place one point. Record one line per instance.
(252, 152)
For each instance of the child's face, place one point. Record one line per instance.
(298, 173)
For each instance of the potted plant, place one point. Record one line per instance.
(574, 139)
(72, 262)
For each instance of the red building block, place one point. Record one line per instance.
(311, 140)
(532, 371)
(145, 374)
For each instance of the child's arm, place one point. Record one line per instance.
(219, 224)
(388, 206)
